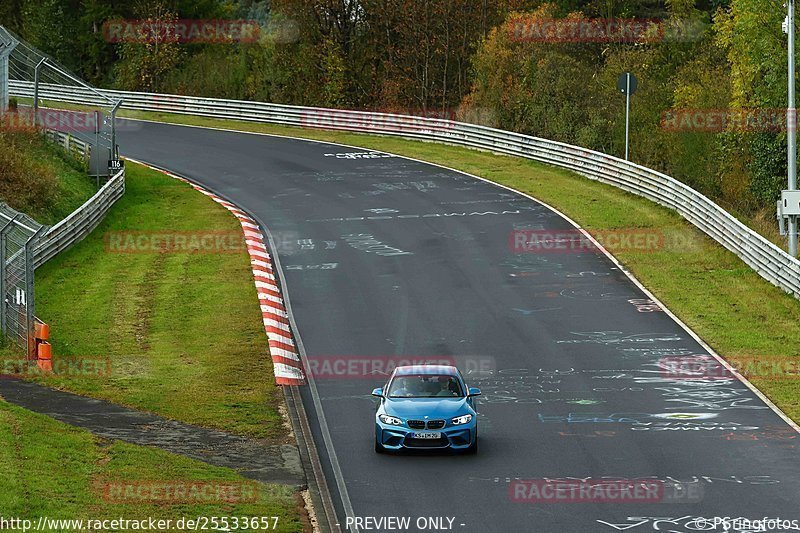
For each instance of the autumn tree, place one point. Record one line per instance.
(146, 59)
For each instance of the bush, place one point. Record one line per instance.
(26, 184)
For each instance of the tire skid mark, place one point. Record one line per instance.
(288, 367)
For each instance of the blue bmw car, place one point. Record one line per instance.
(426, 407)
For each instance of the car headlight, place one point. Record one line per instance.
(391, 420)
(460, 420)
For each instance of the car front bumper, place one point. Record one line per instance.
(401, 437)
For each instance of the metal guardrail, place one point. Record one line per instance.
(72, 145)
(769, 261)
(80, 222)
(26, 245)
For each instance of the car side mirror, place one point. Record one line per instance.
(378, 392)
(474, 391)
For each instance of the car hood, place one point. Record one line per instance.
(430, 407)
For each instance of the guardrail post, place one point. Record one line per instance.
(791, 136)
(7, 45)
(114, 154)
(36, 90)
(3, 310)
(30, 300)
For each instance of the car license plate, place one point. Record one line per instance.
(428, 435)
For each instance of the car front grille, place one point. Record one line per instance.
(416, 424)
(435, 424)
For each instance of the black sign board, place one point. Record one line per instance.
(622, 83)
(115, 165)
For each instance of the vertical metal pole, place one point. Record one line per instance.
(5, 51)
(3, 289)
(3, 80)
(113, 135)
(791, 117)
(36, 90)
(97, 146)
(627, 114)
(30, 299)
(114, 154)
(3, 277)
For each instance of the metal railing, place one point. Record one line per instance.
(769, 261)
(18, 235)
(80, 222)
(25, 245)
(26, 63)
(71, 144)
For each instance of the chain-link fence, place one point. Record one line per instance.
(7, 45)
(95, 127)
(19, 235)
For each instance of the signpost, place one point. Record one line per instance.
(627, 85)
(789, 204)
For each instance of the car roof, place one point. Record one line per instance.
(426, 370)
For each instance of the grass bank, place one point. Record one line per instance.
(53, 470)
(38, 178)
(177, 333)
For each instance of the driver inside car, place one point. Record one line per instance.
(406, 388)
(445, 386)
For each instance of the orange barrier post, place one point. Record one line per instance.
(42, 331)
(45, 356)
(43, 350)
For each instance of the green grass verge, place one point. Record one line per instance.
(53, 470)
(182, 331)
(742, 317)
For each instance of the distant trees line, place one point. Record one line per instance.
(494, 61)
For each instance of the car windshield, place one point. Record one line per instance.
(425, 386)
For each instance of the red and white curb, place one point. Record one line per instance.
(285, 358)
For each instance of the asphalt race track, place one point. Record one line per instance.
(386, 258)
